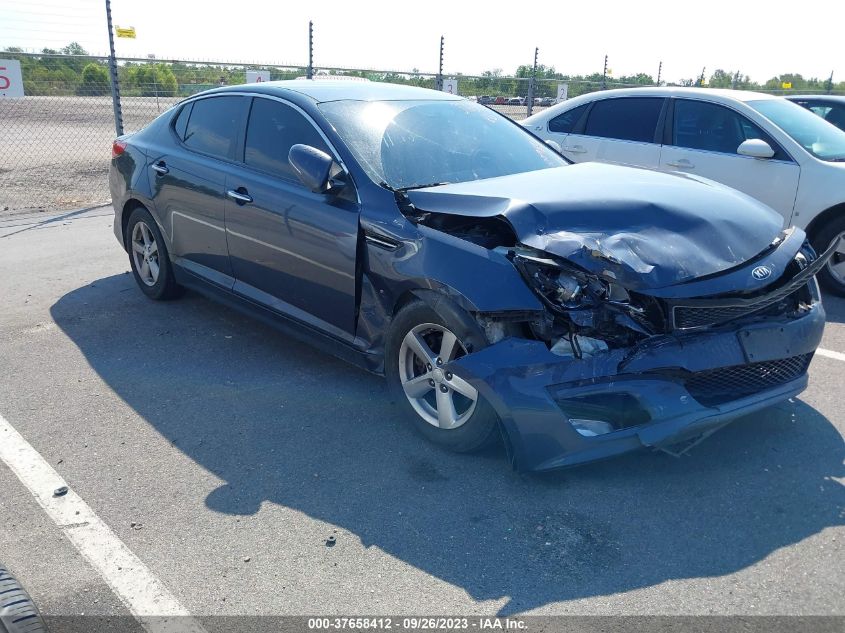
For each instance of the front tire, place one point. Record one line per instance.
(148, 257)
(832, 276)
(443, 407)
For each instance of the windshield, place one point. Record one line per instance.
(411, 144)
(816, 135)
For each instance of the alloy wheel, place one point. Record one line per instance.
(145, 253)
(441, 398)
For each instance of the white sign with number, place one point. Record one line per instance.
(257, 76)
(562, 92)
(450, 86)
(11, 81)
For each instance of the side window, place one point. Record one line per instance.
(213, 125)
(181, 123)
(272, 129)
(565, 123)
(715, 128)
(625, 118)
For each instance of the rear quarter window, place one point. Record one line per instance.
(181, 122)
(565, 123)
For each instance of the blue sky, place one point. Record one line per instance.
(759, 38)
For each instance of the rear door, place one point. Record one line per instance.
(623, 130)
(291, 249)
(188, 177)
(702, 139)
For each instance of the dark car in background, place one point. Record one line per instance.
(577, 311)
(829, 107)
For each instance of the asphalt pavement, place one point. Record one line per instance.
(253, 475)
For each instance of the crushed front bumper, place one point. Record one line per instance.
(530, 387)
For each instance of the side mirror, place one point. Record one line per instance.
(313, 167)
(554, 145)
(755, 148)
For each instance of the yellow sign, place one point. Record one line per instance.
(130, 32)
(787, 85)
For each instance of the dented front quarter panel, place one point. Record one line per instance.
(476, 279)
(520, 376)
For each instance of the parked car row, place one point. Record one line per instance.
(572, 311)
(488, 100)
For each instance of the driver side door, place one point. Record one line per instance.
(292, 250)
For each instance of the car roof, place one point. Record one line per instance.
(321, 91)
(680, 91)
(830, 98)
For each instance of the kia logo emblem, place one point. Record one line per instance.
(761, 272)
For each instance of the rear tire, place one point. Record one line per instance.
(18, 613)
(424, 393)
(832, 276)
(148, 257)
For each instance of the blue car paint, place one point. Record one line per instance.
(517, 376)
(638, 233)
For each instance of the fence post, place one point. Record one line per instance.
(438, 81)
(309, 73)
(529, 100)
(604, 75)
(115, 88)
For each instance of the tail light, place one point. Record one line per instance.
(117, 148)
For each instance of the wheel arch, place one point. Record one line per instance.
(815, 225)
(128, 207)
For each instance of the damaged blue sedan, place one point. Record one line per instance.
(575, 311)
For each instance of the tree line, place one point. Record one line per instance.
(70, 70)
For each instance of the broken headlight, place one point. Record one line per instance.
(592, 306)
(559, 287)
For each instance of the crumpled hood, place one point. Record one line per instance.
(644, 228)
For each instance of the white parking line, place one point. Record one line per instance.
(829, 354)
(146, 597)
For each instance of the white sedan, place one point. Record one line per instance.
(764, 146)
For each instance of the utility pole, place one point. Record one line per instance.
(830, 83)
(309, 73)
(438, 82)
(529, 100)
(115, 88)
(604, 75)
(736, 80)
(659, 72)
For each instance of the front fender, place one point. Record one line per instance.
(435, 264)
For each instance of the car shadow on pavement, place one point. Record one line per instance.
(282, 423)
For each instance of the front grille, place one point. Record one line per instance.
(794, 287)
(717, 386)
(687, 317)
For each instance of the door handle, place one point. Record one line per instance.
(681, 164)
(575, 149)
(241, 197)
(160, 167)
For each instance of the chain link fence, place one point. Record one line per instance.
(55, 142)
